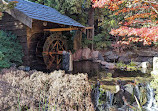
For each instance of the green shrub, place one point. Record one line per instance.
(100, 41)
(10, 50)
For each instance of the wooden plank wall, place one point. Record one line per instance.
(8, 23)
(34, 34)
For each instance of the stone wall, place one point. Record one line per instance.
(8, 23)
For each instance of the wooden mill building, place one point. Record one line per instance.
(35, 26)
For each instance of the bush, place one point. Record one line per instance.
(10, 50)
(100, 41)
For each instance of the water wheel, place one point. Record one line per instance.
(53, 47)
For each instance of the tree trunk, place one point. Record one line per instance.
(90, 22)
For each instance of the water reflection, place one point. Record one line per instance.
(96, 70)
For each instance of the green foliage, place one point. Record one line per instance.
(132, 63)
(120, 65)
(127, 67)
(75, 9)
(100, 41)
(106, 21)
(4, 7)
(86, 42)
(10, 50)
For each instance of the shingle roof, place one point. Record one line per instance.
(44, 13)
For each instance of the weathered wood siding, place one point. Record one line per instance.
(8, 23)
(34, 35)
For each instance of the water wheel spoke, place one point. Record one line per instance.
(50, 62)
(59, 61)
(45, 53)
(57, 46)
(54, 44)
(61, 46)
(52, 56)
(57, 56)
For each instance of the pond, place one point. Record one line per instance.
(118, 90)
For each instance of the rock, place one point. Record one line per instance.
(77, 55)
(117, 88)
(150, 60)
(144, 70)
(155, 66)
(86, 54)
(155, 63)
(124, 59)
(94, 55)
(66, 60)
(127, 57)
(24, 68)
(108, 65)
(104, 63)
(142, 59)
(111, 56)
(108, 53)
(98, 61)
(146, 53)
(129, 88)
(100, 57)
(145, 64)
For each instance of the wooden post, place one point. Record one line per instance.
(93, 38)
(70, 62)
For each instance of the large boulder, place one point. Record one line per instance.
(111, 56)
(100, 57)
(94, 55)
(147, 53)
(86, 54)
(77, 55)
(126, 57)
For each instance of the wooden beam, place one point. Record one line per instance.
(20, 16)
(61, 29)
(88, 28)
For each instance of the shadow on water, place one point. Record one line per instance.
(95, 69)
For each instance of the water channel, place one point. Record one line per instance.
(118, 90)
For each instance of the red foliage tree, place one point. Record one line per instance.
(140, 22)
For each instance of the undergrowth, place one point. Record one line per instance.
(10, 50)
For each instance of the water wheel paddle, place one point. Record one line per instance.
(52, 51)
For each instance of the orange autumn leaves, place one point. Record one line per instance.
(138, 12)
(144, 34)
(146, 7)
(111, 4)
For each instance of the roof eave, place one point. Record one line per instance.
(21, 17)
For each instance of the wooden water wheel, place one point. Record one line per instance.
(52, 51)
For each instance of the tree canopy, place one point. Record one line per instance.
(6, 5)
(140, 19)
